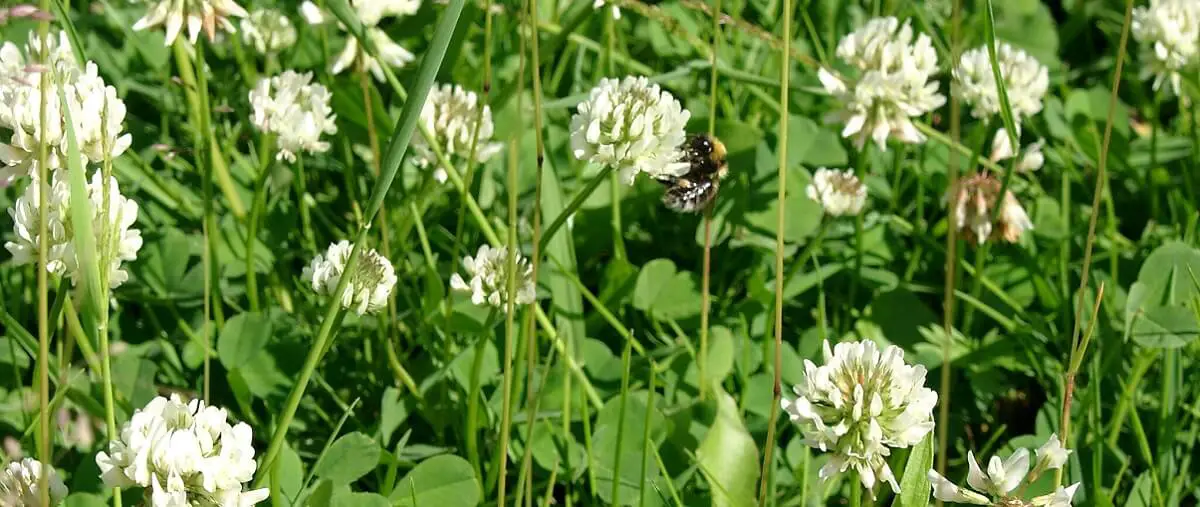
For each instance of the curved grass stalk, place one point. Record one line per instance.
(1079, 344)
(780, 219)
(397, 147)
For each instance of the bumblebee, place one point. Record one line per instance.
(695, 190)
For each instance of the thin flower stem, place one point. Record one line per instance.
(509, 327)
(943, 423)
(300, 181)
(485, 93)
(43, 282)
(574, 205)
(622, 404)
(706, 271)
(256, 209)
(780, 219)
(1101, 176)
(473, 401)
(106, 254)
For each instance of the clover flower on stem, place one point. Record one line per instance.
(838, 192)
(894, 83)
(1025, 81)
(632, 125)
(1169, 32)
(997, 485)
(20, 484)
(116, 239)
(183, 454)
(295, 110)
(208, 15)
(974, 199)
(489, 278)
(370, 283)
(370, 13)
(858, 406)
(450, 113)
(268, 31)
(96, 112)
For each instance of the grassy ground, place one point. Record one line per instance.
(646, 372)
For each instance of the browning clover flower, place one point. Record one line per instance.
(838, 192)
(207, 14)
(633, 126)
(1025, 81)
(861, 404)
(268, 31)
(489, 278)
(974, 199)
(1169, 31)
(183, 454)
(450, 113)
(895, 83)
(97, 114)
(19, 484)
(117, 241)
(1003, 477)
(370, 283)
(295, 110)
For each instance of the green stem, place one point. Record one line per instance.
(300, 181)
(780, 218)
(573, 206)
(43, 283)
(473, 405)
(256, 210)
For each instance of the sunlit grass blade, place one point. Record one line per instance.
(397, 146)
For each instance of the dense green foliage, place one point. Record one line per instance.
(618, 394)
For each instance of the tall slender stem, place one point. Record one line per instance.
(256, 210)
(509, 327)
(951, 253)
(43, 282)
(706, 272)
(780, 219)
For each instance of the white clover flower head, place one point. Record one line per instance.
(96, 113)
(1029, 160)
(450, 113)
(20, 484)
(632, 125)
(1051, 455)
(895, 83)
(1169, 32)
(1025, 81)
(859, 405)
(295, 110)
(974, 199)
(183, 454)
(489, 278)
(370, 283)
(210, 15)
(838, 192)
(370, 12)
(996, 485)
(391, 53)
(116, 239)
(268, 31)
